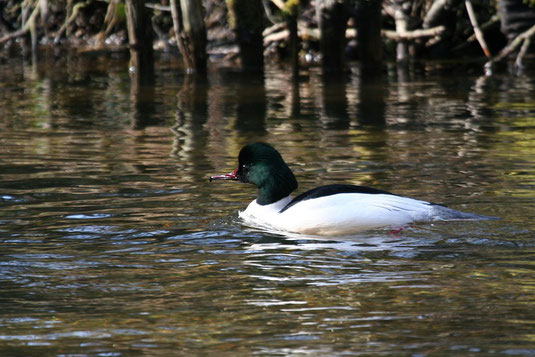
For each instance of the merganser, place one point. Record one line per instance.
(327, 210)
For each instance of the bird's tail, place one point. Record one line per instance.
(447, 214)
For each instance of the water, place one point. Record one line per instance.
(114, 243)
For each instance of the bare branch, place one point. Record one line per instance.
(477, 30)
(414, 34)
(279, 33)
(519, 58)
(28, 25)
(510, 48)
(75, 11)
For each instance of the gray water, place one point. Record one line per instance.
(114, 243)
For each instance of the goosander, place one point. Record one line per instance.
(327, 210)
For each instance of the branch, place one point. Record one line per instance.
(510, 48)
(75, 11)
(158, 7)
(273, 29)
(28, 25)
(518, 62)
(272, 35)
(492, 22)
(477, 30)
(280, 4)
(414, 34)
(435, 12)
(109, 22)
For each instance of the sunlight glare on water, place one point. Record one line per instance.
(114, 243)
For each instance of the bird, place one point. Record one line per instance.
(336, 209)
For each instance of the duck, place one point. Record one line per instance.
(335, 209)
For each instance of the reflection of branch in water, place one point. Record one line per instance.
(181, 130)
(478, 95)
(190, 117)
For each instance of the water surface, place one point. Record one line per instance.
(114, 243)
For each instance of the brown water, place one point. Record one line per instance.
(114, 243)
